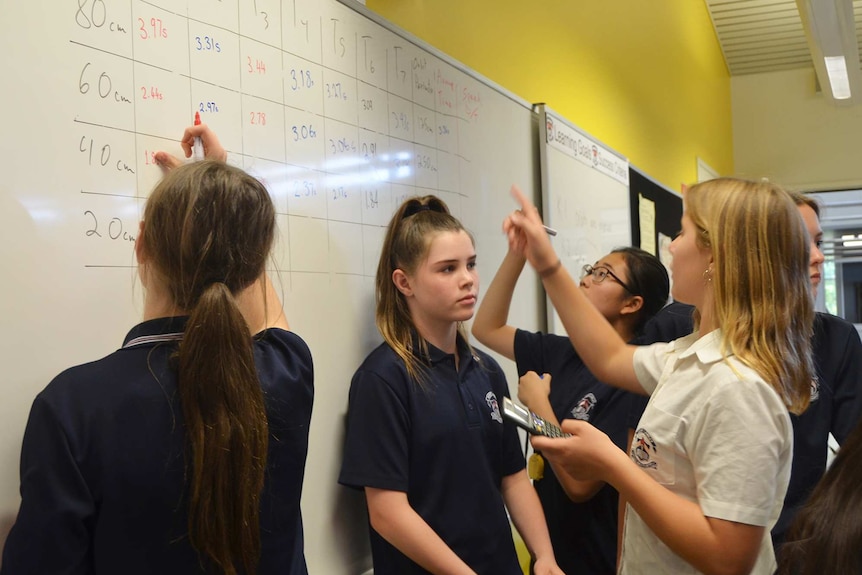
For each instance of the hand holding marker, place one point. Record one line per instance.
(198, 148)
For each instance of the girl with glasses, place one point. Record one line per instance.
(627, 286)
(711, 458)
(426, 438)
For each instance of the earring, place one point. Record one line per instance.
(707, 275)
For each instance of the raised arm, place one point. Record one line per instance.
(213, 150)
(259, 303)
(490, 325)
(604, 352)
(261, 306)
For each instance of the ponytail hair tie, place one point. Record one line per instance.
(414, 207)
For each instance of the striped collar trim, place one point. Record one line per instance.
(150, 339)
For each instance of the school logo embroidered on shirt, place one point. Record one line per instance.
(491, 400)
(643, 449)
(815, 389)
(584, 407)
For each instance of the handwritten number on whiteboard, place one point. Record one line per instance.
(115, 228)
(83, 86)
(94, 230)
(97, 20)
(264, 14)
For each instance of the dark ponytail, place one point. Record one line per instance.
(227, 433)
(648, 277)
(208, 230)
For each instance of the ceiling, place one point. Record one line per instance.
(764, 35)
(758, 36)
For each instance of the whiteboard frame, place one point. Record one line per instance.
(361, 9)
(542, 111)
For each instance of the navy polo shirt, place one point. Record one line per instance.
(836, 406)
(445, 444)
(836, 400)
(673, 321)
(584, 535)
(102, 465)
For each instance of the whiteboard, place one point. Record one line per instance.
(341, 115)
(585, 196)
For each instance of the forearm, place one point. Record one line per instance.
(712, 546)
(273, 306)
(490, 325)
(604, 352)
(398, 523)
(260, 305)
(577, 490)
(527, 515)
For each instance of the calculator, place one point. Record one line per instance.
(528, 420)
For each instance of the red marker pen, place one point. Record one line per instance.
(198, 147)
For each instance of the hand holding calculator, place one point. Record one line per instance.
(528, 420)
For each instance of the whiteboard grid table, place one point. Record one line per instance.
(340, 114)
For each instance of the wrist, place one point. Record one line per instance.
(516, 257)
(617, 469)
(550, 270)
(545, 560)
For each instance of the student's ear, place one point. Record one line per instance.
(140, 250)
(141, 255)
(402, 282)
(632, 305)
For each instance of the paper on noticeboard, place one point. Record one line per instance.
(646, 211)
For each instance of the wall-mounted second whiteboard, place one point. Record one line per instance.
(340, 114)
(585, 196)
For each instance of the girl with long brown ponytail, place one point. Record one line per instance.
(426, 439)
(182, 452)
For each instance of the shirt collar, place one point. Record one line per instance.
(155, 331)
(707, 348)
(435, 354)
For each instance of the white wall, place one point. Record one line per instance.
(783, 129)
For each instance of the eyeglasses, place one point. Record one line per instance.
(600, 273)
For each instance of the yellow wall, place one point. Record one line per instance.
(645, 77)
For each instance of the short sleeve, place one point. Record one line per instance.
(376, 450)
(649, 363)
(286, 372)
(528, 352)
(545, 353)
(53, 531)
(512, 453)
(741, 444)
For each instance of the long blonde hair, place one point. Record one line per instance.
(762, 292)
(408, 239)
